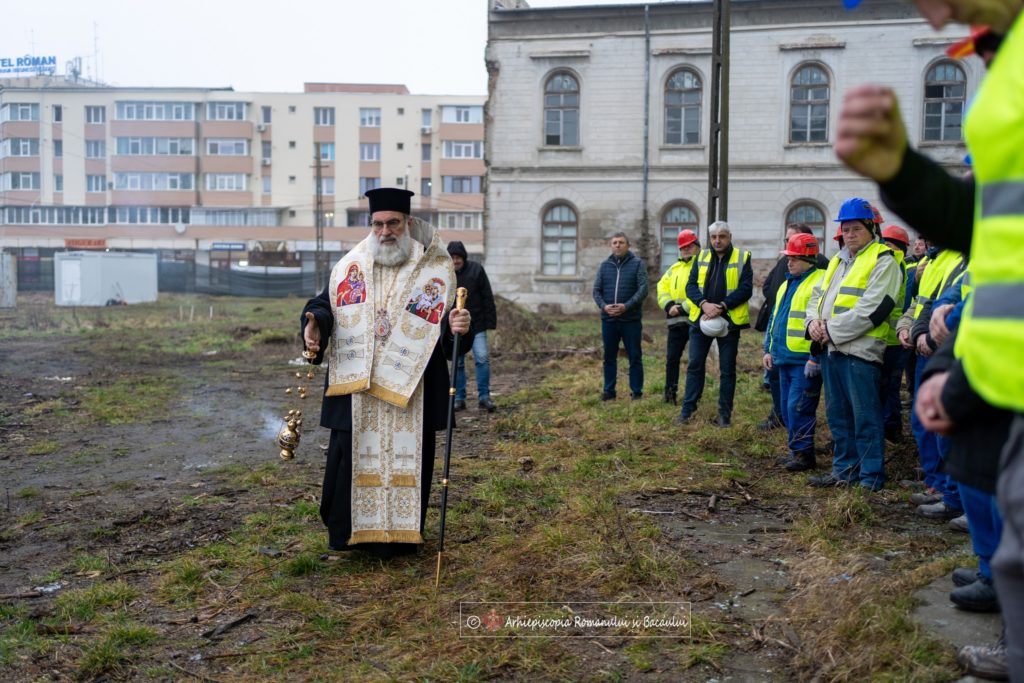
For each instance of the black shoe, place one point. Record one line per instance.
(607, 396)
(772, 422)
(488, 405)
(985, 661)
(964, 576)
(722, 421)
(684, 419)
(802, 461)
(979, 596)
(459, 405)
(670, 395)
(826, 481)
(636, 397)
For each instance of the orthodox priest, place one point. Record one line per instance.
(386, 386)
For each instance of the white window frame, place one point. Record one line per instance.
(463, 149)
(323, 116)
(326, 151)
(226, 182)
(327, 184)
(227, 147)
(558, 241)
(95, 113)
(95, 149)
(225, 111)
(95, 183)
(369, 151)
(369, 117)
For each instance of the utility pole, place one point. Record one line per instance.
(319, 222)
(718, 166)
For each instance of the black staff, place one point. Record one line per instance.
(460, 303)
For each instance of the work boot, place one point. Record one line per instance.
(487, 404)
(769, 423)
(723, 421)
(963, 576)
(926, 497)
(684, 419)
(979, 596)
(986, 661)
(670, 394)
(802, 461)
(459, 405)
(826, 481)
(960, 524)
(938, 511)
(607, 396)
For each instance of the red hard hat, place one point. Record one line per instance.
(896, 234)
(878, 216)
(801, 244)
(686, 238)
(839, 233)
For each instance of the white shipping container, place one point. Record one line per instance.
(92, 278)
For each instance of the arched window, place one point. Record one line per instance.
(562, 110)
(676, 218)
(811, 215)
(682, 108)
(559, 241)
(945, 88)
(808, 105)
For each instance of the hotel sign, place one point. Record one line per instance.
(29, 64)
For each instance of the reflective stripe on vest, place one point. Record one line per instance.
(796, 340)
(741, 314)
(991, 333)
(892, 339)
(934, 278)
(854, 284)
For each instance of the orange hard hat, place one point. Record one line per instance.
(801, 244)
(968, 46)
(686, 238)
(878, 216)
(896, 234)
(839, 233)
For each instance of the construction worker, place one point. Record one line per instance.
(787, 349)
(983, 216)
(720, 285)
(848, 316)
(895, 360)
(940, 499)
(672, 299)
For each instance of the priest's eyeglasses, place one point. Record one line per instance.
(392, 224)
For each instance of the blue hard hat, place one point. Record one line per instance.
(856, 209)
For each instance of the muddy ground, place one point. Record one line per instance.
(72, 487)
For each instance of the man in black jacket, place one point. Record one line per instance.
(480, 304)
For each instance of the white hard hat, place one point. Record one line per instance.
(714, 327)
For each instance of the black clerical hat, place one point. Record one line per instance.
(389, 199)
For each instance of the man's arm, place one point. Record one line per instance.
(693, 292)
(932, 201)
(745, 288)
(320, 307)
(665, 302)
(637, 300)
(873, 307)
(490, 312)
(598, 294)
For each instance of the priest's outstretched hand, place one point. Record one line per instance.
(459, 321)
(311, 333)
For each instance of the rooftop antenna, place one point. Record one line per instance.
(96, 50)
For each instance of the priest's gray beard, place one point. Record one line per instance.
(395, 253)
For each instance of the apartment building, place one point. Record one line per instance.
(225, 179)
(598, 121)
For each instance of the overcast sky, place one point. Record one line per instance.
(432, 46)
